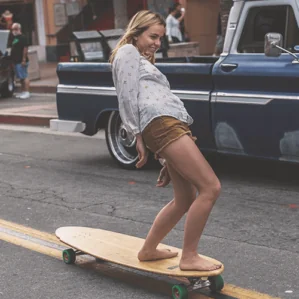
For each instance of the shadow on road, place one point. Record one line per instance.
(255, 169)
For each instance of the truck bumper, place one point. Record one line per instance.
(67, 125)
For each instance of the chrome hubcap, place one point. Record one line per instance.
(126, 138)
(121, 142)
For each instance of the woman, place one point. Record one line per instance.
(160, 122)
(173, 24)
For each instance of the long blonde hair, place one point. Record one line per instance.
(139, 23)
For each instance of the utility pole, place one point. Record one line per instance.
(225, 6)
(120, 13)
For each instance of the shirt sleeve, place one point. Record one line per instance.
(125, 70)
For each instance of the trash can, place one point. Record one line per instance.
(111, 37)
(87, 46)
(93, 46)
(33, 68)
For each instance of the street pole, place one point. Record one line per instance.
(120, 13)
(225, 6)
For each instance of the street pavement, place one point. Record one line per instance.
(49, 180)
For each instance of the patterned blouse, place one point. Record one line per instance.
(143, 91)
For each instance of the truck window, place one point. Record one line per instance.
(261, 20)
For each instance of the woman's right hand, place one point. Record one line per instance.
(142, 151)
(164, 177)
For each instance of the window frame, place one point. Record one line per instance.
(244, 15)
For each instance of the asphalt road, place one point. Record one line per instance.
(51, 180)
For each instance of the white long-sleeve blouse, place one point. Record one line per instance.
(143, 91)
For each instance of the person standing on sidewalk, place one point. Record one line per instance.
(19, 56)
(173, 31)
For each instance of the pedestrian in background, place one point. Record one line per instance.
(173, 30)
(6, 20)
(19, 56)
(179, 11)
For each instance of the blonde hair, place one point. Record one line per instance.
(139, 23)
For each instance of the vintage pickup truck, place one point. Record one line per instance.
(245, 102)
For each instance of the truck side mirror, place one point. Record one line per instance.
(272, 40)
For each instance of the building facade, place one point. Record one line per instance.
(48, 24)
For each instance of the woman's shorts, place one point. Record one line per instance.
(163, 130)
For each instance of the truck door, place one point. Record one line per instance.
(256, 100)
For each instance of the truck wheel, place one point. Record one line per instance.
(8, 88)
(121, 143)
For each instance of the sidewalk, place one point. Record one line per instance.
(36, 111)
(40, 108)
(48, 79)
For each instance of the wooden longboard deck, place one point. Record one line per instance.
(123, 249)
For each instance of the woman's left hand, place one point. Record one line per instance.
(164, 177)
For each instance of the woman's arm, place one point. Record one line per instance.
(24, 57)
(182, 16)
(126, 81)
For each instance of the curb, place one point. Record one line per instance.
(23, 119)
(39, 89)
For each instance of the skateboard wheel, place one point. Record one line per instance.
(69, 256)
(179, 292)
(217, 283)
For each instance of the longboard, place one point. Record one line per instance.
(123, 249)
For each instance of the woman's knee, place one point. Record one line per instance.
(216, 188)
(212, 189)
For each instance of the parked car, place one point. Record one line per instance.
(6, 67)
(245, 102)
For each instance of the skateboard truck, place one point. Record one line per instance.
(78, 252)
(214, 283)
(197, 283)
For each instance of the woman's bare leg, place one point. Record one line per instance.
(168, 217)
(185, 157)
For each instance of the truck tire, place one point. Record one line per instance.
(8, 88)
(121, 144)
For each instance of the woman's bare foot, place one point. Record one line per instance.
(158, 254)
(197, 263)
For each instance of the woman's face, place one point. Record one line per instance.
(150, 40)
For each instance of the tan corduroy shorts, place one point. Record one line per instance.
(163, 130)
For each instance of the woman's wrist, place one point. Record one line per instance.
(138, 136)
